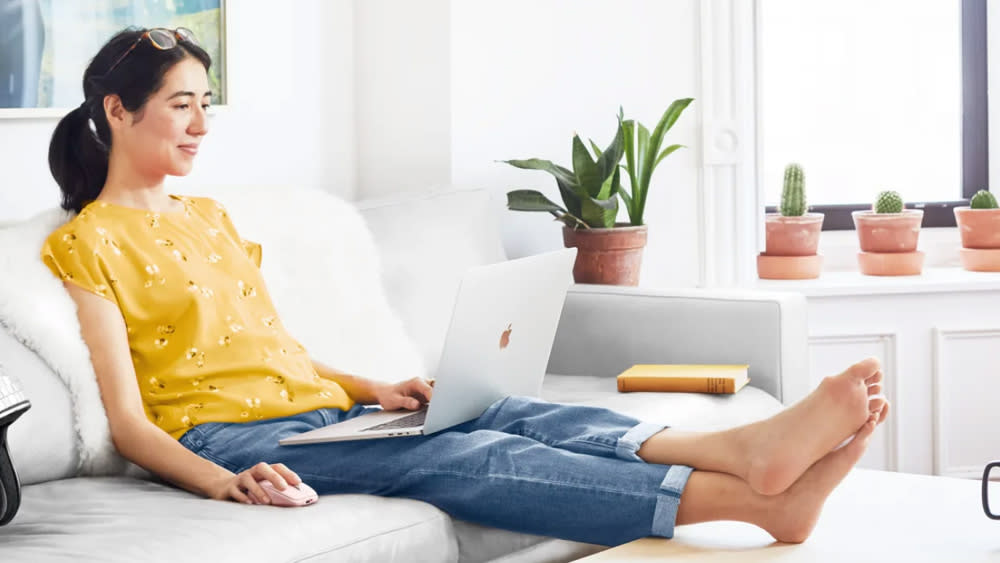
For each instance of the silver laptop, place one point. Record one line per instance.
(498, 343)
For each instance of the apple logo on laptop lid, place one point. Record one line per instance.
(505, 338)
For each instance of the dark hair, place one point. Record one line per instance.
(78, 151)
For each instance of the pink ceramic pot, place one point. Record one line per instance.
(792, 236)
(888, 232)
(979, 228)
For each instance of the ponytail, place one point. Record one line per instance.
(78, 159)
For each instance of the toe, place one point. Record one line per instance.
(876, 404)
(865, 369)
(875, 378)
(875, 389)
(883, 413)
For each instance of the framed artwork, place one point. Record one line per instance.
(45, 46)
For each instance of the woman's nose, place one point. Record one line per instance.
(199, 124)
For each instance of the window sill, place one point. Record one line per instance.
(932, 280)
(943, 272)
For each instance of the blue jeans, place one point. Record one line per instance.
(524, 465)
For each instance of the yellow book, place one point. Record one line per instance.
(685, 378)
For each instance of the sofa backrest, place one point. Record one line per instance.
(325, 270)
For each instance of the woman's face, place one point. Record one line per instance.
(164, 135)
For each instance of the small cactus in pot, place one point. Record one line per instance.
(889, 226)
(888, 201)
(979, 227)
(793, 193)
(888, 236)
(793, 231)
(791, 234)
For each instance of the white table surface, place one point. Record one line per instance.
(874, 516)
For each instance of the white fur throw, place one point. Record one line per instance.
(321, 267)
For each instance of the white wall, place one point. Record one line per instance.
(402, 95)
(367, 98)
(290, 119)
(522, 76)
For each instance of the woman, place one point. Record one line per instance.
(200, 379)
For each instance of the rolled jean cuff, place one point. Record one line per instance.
(669, 500)
(633, 439)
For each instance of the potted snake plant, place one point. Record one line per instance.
(979, 228)
(608, 251)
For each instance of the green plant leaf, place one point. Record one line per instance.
(650, 158)
(600, 213)
(628, 132)
(642, 147)
(571, 196)
(666, 122)
(569, 189)
(628, 201)
(608, 162)
(531, 200)
(666, 152)
(538, 164)
(611, 186)
(588, 175)
(597, 149)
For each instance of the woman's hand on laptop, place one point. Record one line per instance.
(411, 394)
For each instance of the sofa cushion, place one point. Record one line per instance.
(690, 411)
(49, 421)
(427, 241)
(112, 519)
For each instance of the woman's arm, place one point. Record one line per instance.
(410, 394)
(363, 391)
(134, 436)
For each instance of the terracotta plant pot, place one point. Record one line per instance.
(980, 259)
(792, 236)
(979, 228)
(889, 242)
(789, 267)
(790, 247)
(888, 232)
(891, 263)
(607, 256)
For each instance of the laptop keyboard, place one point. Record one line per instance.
(409, 421)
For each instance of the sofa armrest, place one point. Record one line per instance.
(606, 329)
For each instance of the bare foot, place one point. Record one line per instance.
(781, 448)
(793, 514)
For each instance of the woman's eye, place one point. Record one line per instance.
(205, 106)
(181, 106)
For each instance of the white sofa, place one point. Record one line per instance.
(424, 242)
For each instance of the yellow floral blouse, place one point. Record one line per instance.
(206, 341)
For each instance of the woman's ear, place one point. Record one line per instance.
(114, 111)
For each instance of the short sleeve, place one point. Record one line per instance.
(252, 249)
(71, 259)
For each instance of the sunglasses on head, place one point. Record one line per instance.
(161, 38)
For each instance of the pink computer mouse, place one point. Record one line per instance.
(293, 495)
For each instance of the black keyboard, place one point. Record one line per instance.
(409, 421)
(13, 403)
